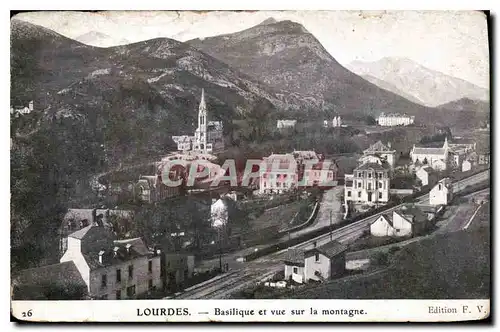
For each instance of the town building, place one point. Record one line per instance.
(76, 219)
(380, 150)
(408, 220)
(113, 269)
(282, 172)
(335, 122)
(437, 158)
(395, 119)
(325, 262)
(427, 175)
(294, 265)
(22, 110)
(441, 193)
(283, 124)
(278, 173)
(208, 137)
(151, 189)
(368, 185)
(466, 165)
(177, 269)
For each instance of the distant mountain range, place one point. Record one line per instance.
(466, 104)
(408, 78)
(99, 39)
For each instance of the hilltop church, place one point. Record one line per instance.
(207, 138)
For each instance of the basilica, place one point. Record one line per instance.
(208, 137)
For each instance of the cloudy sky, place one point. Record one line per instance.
(455, 43)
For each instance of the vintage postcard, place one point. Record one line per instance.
(305, 166)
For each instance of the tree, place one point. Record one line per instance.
(258, 117)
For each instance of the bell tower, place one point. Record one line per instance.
(202, 122)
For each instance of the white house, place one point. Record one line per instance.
(335, 122)
(405, 221)
(369, 184)
(436, 158)
(466, 165)
(441, 193)
(382, 226)
(281, 124)
(382, 151)
(113, 269)
(294, 265)
(395, 119)
(427, 175)
(278, 173)
(325, 262)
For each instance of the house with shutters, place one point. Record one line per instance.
(113, 269)
(368, 185)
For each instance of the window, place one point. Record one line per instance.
(295, 270)
(359, 193)
(150, 284)
(278, 184)
(314, 244)
(440, 187)
(150, 266)
(131, 291)
(370, 175)
(118, 294)
(130, 271)
(360, 174)
(104, 281)
(349, 193)
(380, 184)
(265, 184)
(118, 275)
(285, 185)
(359, 184)
(369, 186)
(317, 257)
(380, 195)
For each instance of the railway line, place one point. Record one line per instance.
(264, 267)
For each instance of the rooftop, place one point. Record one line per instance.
(330, 249)
(378, 147)
(295, 256)
(429, 151)
(372, 166)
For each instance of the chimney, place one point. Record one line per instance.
(101, 254)
(115, 251)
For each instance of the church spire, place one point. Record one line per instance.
(202, 101)
(445, 145)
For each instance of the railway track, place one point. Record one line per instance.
(254, 271)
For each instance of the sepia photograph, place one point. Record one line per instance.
(159, 157)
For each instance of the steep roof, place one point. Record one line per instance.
(428, 169)
(294, 257)
(412, 213)
(387, 217)
(330, 250)
(117, 253)
(429, 151)
(80, 234)
(378, 147)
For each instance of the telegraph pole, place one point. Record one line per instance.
(331, 225)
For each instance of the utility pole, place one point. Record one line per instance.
(331, 225)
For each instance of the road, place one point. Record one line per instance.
(257, 270)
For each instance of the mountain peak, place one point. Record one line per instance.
(270, 20)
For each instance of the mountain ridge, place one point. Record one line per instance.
(430, 86)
